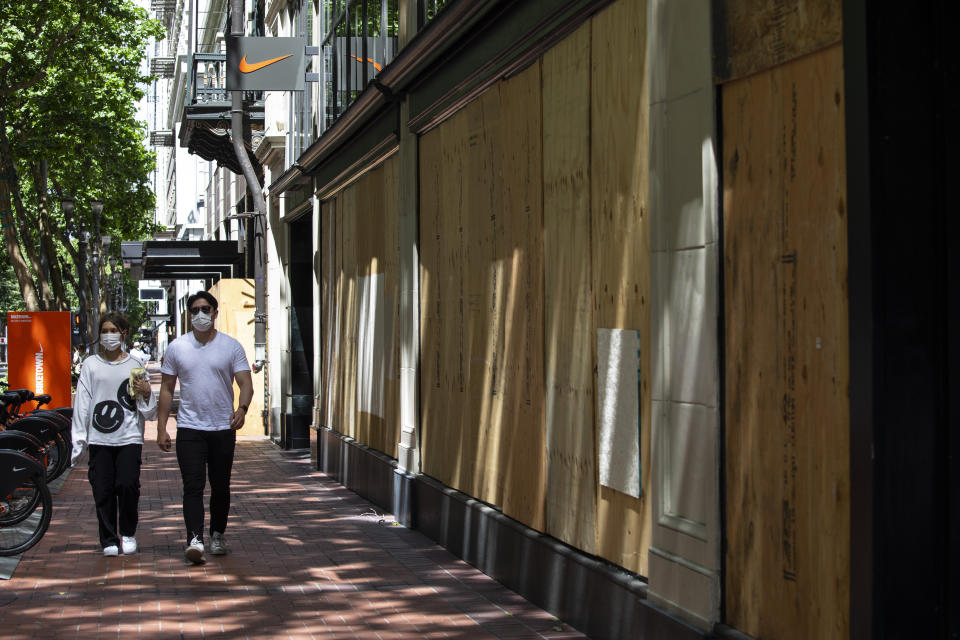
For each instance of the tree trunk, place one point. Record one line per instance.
(28, 290)
(48, 255)
(8, 177)
(28, 239)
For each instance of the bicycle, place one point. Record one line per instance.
(26, 506)
(50, 427)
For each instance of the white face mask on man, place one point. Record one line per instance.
(111, 341)
(201, 321)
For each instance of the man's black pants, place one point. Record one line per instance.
(114, 474)
(200, 454)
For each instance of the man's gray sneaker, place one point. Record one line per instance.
(194, 551)
(218, 546)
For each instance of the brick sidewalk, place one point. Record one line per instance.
(309, 558)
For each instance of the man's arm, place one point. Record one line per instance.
(168, 383)
(245, 382)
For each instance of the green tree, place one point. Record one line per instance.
(69, 82)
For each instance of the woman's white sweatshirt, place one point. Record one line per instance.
(104, 413)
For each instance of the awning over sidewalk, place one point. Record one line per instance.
(183, 259)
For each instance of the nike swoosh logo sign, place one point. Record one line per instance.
(248, 67)
(15, 469)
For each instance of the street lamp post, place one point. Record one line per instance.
(97, 207)
(117, 295)
(68, 205)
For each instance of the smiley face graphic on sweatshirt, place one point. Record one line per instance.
(107, 416)
(124, 397)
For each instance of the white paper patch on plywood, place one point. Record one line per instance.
(371, 345)
(618, 383)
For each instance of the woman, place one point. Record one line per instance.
(110, 420)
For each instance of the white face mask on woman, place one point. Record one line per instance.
(201, 321)
(111, 341)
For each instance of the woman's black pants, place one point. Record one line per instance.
(114, 475)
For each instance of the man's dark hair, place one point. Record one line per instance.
(206, 295)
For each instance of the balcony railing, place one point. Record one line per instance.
(161, 138)
(206, 110)
(163, 8)
(427, 10)
(208, 79)
(208, 82)
(162, 67)
(361, 40)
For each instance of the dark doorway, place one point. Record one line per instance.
(295, 427)
(905, 321)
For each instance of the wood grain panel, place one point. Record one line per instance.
(368, 197)
(327, 306)
(482, 299)
(446, 454)
(336, 392)
(523, 447)
(391, 268)
(347, 208)
(236, 298)
(481, 237)
(362, 221)
(434, 427)
(759, 34)
(619, 159)
(571, 499)
(787, 368)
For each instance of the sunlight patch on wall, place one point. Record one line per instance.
(618, 383)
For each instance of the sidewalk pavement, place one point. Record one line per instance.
(308, 559)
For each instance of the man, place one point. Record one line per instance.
(138, 353)
(206, 362)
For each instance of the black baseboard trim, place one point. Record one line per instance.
(294, 431)
(590, 594)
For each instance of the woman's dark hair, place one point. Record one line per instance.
(119, 320)
(206, 295)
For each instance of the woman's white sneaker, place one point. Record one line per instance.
(111, 550)
(128, 544)
(194, 551)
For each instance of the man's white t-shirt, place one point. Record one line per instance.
(206, 373)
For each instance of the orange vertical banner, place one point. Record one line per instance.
(38, 353)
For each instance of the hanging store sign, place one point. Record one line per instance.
(39, 354)
(265, 64)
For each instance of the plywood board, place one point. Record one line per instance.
(448, 453)
(522, 451)
(327, 304)
(369, 309)
(347, 220)
(481, 296)
(236, 299)
(620, 236)
(568, 314)
(435, 425)
(336, 338)
(376, 282)
(787, 368)
(481, 236)
(754, 35)
(390, 436)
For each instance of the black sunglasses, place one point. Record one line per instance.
(201, 309)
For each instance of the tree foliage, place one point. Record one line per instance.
(70, 78)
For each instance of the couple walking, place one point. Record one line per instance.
(111, 406)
